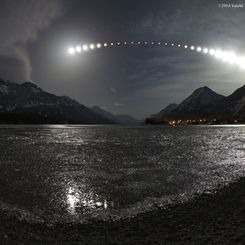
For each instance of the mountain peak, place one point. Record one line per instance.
(238, 94)
(203, 95)
(29, 83)
(204, 89)
(22, 99)
(198, 104)
(96, 107)
(205, 103)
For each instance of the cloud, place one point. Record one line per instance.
(200, 22)
(118, 104)
(113, 90)
(20, 24)
(160, 74)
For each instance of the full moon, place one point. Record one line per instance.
(71, 50)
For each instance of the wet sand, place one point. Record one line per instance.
(208, 219)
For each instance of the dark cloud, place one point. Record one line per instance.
(142, 79)
(160, 77)
(20, 23)
(7, 66)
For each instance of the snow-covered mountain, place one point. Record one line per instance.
(199, 104)
(120, 119)
(205, 103)
(31, 101)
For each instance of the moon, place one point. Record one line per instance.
(223, 55)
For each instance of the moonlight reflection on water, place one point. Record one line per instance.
(77, 200)
(85, 171)
(72, 200)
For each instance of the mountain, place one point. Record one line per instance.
(27, 103)
(204, 103)
(120, 119)
(233, 106)
(127, 119)
(166, 110)
(104, 113)
(200, 104)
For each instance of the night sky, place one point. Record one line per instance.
(35, 36)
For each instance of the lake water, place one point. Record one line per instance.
(74, 173)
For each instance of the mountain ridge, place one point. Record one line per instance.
(120, 119)
(165, 110)
(199, 104)
(28, 99)
(204, 103)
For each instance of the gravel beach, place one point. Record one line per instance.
(208, 219)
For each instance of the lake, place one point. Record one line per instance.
(61, 173)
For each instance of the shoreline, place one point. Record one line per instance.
(208, 219)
